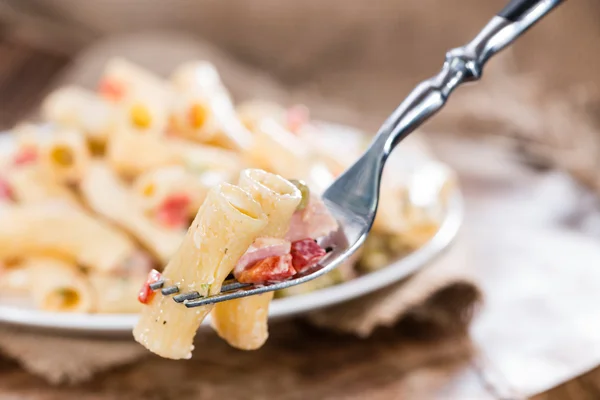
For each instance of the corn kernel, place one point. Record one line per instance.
(148, 190)
(198, 114)
(62, 156)
(140, 116)
(96, 147)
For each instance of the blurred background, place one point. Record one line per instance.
(540, 99)
(366, 53)
(362, 55)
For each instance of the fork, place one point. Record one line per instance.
(352, 199)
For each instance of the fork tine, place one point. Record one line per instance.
(232, 284)
(243, 292)
(228, 286)
(170, 290)
(157, 285)
(235, 290)
(180, 298)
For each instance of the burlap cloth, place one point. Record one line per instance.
(439, 299)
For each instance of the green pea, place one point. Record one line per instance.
(305, 193)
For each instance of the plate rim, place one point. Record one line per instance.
(110, 324)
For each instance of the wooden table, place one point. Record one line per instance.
(337, 367)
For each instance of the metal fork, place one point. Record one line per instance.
(353, 197)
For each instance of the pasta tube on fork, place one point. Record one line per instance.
(225, 226)
(243, 322)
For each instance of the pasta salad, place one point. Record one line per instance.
(117, 182)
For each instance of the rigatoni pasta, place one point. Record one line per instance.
(116, 291)
(122, 80)
(264, 256)
(80, 109)
(199, 158)
(203, 109)
(278, 198)
(144, 114)
(414, 195)
(198, 77)
(226, 224)
(65, 156)
(170, 187)
(58, 286)
(115, 294)
(252, 113)
(243, 322)
(31, 184)
(59, 230)
(278, 150)
(15, 280)
(131, 153)
(109, 197)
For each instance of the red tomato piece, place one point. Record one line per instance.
(173, 212)
(26, 155)
(271, 269)
(111, 89)
(5, 190)
(146, 294)
(306, 253)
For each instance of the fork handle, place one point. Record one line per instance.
(463, 64)
(516, 9)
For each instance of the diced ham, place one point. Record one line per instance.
(173, 212)
(271, 259)
(146, 293)
(313, 221)
(306, 254)
(259, 250)
(270, 269)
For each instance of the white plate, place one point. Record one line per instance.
(122, 324)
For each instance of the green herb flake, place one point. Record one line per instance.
(205, 287)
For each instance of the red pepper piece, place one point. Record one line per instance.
(146, 294)
(26, 155)
(6, 192)
(111, 89)
(271, 269)
(173, 212)
(306, 253)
